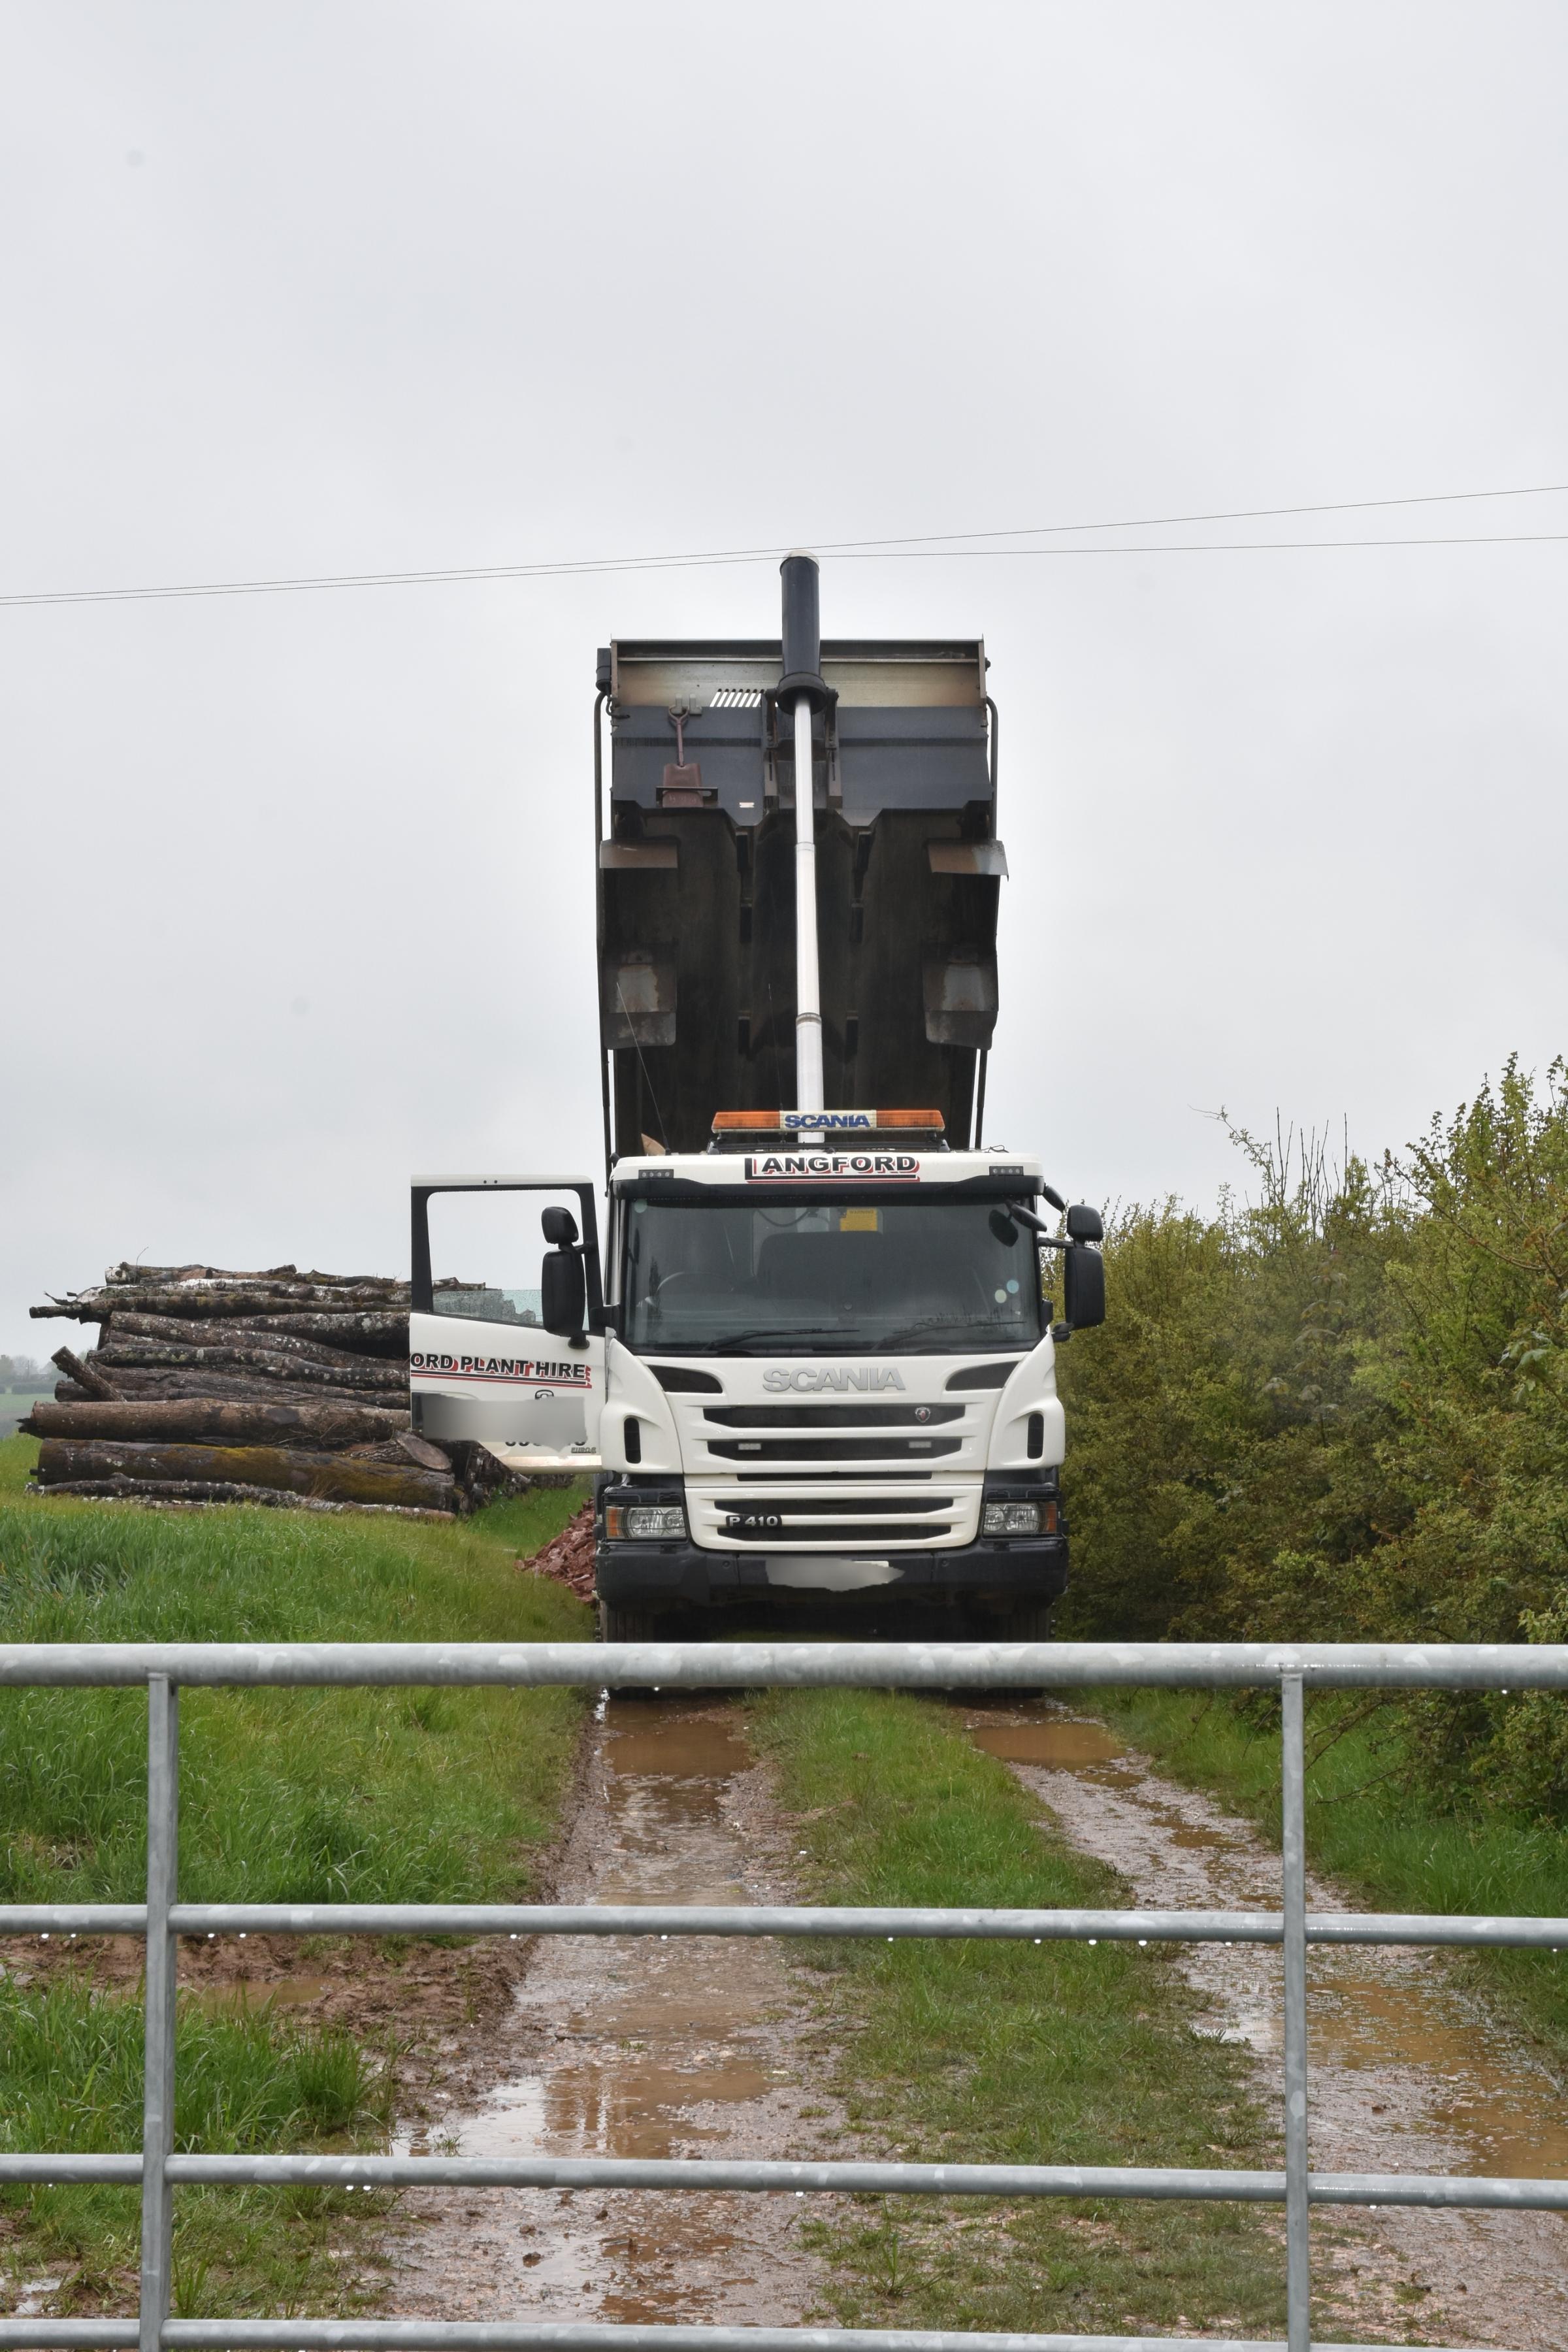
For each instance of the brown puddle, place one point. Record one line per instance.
(1477, 2091)
(253, 1996)
(640, 2048)
(1063, 1742)
(656, 2037)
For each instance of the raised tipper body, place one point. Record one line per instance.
(814, 1367)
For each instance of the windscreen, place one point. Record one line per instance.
(943, 1277)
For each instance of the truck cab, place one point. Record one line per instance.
(820, 1382)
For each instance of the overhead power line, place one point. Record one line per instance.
(945, 545)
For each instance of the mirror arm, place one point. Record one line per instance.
(1035, 1224)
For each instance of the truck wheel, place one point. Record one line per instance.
(626, 1624)
(1027, 1621)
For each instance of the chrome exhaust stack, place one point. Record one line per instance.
(802, 683)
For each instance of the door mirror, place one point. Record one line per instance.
(563, 1289)
(1083, 1224)
(1083, 1285)
(560, 1227)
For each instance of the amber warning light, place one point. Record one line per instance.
(820, 1122)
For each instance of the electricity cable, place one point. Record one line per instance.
(928, 545)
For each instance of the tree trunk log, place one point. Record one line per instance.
(422, 1450)
(198, 1491)
(326, 1427)
(244, 1387)
(230, 1299)
(327, 1477)
(258, 1333)
(160, 1355)
(132, 1275)
(365, 1332)
(85, 1376)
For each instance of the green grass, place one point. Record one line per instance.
(15, 1403)
(1372, 1824)
(1024, 2053)
(71, 2079)
(374, 1796)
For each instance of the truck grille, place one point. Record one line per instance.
(847, 1475)
(832, 1449)
(863, 1533)
(751, 1510)
(831, 1416)
(867, 1518)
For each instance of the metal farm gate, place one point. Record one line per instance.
(158, 2168)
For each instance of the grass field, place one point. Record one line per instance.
(1374, 1827)
(16, 1403)
(372, 1795)
(1059, 2052)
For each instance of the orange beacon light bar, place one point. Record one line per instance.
(819, 1122)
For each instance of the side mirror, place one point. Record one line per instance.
(563, 1289)
(560, 1227)
(1083, 1285)
(1083, 1224)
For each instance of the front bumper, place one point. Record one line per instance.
(989, 1574)
(680, 1576)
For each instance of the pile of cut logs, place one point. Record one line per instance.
(208, 1386)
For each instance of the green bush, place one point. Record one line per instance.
(1338, 1411)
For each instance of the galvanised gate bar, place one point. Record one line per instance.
(163, 1667)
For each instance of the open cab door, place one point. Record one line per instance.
(515, 1360)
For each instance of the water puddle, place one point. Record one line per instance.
(30, 2296)
(647, 2048)
(254, 1996)
(1489, 2101)
(1065, 1742)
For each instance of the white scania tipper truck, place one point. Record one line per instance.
(812, 1368)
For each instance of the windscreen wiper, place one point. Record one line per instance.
(781, 1331)
(963, 1339)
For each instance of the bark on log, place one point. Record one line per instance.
(325, 1427)
(329, 1477)
(365, 1332)
(422, 1450)
(157, 1355)
(85, 1376)
(228, 1300)
(193, 1493)
(245, 1388)
(255, 1333)
(160, 1276)
(483, 1478)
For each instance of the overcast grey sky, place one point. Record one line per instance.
(298, 895)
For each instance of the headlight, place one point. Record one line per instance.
(644, 1522)
(1011, 1519)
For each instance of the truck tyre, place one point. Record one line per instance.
(617, 1625)
(1029, 1620)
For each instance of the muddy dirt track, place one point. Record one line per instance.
(1408, 2073)
(647, 2049)
(638, 2047)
